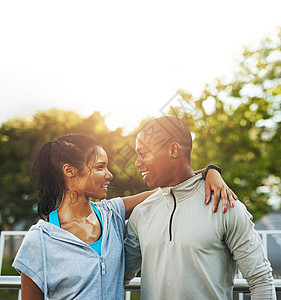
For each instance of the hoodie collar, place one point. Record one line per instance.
(56, 232)
(183, 190)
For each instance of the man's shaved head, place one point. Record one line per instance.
(165, 130)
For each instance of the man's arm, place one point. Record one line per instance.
(132, 249)
(246, 247)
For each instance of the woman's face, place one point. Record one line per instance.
(96, 176)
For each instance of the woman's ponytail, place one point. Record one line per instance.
(46, 179)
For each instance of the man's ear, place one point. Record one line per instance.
(174, 150)
(69, 171)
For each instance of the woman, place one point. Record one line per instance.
(76, 251)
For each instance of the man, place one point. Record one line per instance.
(183, 249)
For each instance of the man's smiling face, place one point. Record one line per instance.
(153, 162)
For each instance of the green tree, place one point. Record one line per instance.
(237, 124)
(20, 139)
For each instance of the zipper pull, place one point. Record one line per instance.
(102, 267)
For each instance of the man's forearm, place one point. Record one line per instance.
(264, 291)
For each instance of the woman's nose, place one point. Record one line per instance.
(108, 175)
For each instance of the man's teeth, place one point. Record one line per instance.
(104, 186)
(144, 173)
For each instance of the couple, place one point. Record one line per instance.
(184, 250)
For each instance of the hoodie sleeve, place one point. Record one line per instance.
(29, 258)
(246, 247)
(118, 206)
(133, 256)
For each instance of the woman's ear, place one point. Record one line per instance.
(69, 171)
(174, 150)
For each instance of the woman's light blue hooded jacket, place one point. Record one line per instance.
(66, 267)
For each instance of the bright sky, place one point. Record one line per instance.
(123, 58)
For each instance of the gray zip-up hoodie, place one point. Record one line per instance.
(185, 251)
(66, 267)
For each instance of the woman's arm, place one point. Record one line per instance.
(214, 182)
(29, 289)
(131, 201)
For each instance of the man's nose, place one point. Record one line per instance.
(138, 162)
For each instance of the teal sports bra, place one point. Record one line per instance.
(54, 219)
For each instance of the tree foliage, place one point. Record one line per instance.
(20, 139)
(237, 124)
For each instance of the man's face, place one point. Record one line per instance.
(153, 162)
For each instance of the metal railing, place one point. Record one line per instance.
(240, 285)
(265, 233)
(10, 282)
